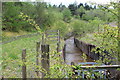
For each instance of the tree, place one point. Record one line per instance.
(95, 7)
(81, 11)
(87, 6)
(81, 4)
(40, 14)
(29, 9)
(79, 26)
(103, 15)
(10, 19)
(94, 25)
(73, 8)
(61, 7)
(43, 17)
(66, 15)
(54, 6)
(116, 12)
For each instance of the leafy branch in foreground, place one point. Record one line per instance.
(30, 21)
(108, 42)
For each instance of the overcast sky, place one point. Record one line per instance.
(67, 2)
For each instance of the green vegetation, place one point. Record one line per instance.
(12, 55)
(106, 39)
(82, 21)
(66, 15)
(46, 16)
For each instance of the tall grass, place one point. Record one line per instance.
(12, 52)
(11, 55)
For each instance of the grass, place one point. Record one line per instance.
(7, 35)
(11, 54)
(16, 46)
(90, 38)
(12, 34)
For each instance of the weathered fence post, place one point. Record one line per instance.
(58, 44)
(37, 55)
(64, 53)
(43, 39)
(58, 36)
(45, 58)
(118, 60)
(24, 74)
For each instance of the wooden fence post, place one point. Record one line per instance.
(58, 44)
(45, 59)
(37, 55)
(118, 59)
(58, 36)
(64, 53)
(42, 39)
(58, 47)
(24, 66)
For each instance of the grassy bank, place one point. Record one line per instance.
(11, 54)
